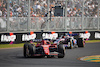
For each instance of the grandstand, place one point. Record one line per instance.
(37, 15)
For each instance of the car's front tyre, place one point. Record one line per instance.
(27, 50)
(61, 50)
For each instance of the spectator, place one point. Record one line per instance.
(0, 13)
(19, 9)
(25, 13)
(39, 7)
(3, 23)
(91, 8)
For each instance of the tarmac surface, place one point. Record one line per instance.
(14, 58)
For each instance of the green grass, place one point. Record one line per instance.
(92, 41)
(11, 45)
(21, 44)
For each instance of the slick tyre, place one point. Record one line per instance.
(61, 50)
(80, 42)
(28, 50)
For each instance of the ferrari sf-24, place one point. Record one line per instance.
(43, 48)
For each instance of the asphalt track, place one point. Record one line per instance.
(14, 58)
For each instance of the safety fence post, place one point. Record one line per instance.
(82, 16)
(48, 15)
(7, 28)
(98, 14)
(66, 15)
(28, 25)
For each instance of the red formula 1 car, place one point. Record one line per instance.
(43, 48)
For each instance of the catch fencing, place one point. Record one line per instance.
(77, 15)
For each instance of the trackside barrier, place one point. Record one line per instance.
(26, 37)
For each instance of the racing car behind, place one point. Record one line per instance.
(70, 42)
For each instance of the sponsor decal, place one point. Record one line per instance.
(97, 35)
(85, 35)
(94, 58)
(8, 38)
(49, 36)
(26, 37)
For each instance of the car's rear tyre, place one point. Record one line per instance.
(61, 50)
(80, 42)
(28, 50)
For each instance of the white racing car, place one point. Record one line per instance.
(70, 42)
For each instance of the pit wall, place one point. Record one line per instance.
(6, 38)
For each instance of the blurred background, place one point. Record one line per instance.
(49, 15)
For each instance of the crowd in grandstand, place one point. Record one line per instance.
(39, 8)
(74, 8)
(91, 8)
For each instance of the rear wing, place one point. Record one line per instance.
(36, 40)
(74, 34)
